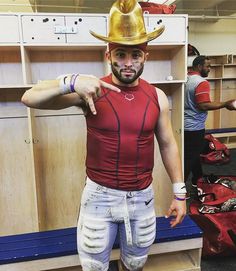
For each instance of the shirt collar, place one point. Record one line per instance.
(193, 73)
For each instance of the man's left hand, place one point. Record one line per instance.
(178, 210)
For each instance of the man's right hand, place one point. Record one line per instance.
(88, 87)
(231, 105)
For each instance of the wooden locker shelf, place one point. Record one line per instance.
(10, 65)
(229, 139)
(48, 63)
(179, 261)
(222, 79)
(164, 62)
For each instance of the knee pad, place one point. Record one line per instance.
(134, 263)
(89, 264)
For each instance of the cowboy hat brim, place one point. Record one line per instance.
(131, 40)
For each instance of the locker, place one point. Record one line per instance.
(43, 29)
(83, 24)
(175, 28)
(9, 30)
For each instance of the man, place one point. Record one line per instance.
(197, 103)
(123, 113)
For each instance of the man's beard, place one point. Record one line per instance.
(204, 74)
(126, 80)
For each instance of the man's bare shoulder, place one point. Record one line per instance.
(162, 98)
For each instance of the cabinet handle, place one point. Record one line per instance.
(27, 141)
(35, 141)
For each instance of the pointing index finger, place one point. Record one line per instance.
(111, 87)
(91, 105)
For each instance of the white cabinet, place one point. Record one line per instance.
(83, 24)
(175, 28)
(75, 29)
(9, 29)
(62, 29)
(42, 28)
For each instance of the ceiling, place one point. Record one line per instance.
(206, 7)
(191, 7)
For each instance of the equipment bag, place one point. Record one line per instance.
(153, 8)
(214, 151)
(217, 219)
(212, 187)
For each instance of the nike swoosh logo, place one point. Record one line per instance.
(147, 202)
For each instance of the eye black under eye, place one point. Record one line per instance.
(135, 55)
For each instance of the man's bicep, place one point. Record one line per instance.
(202, 93)
(204, 106)
(163, 129)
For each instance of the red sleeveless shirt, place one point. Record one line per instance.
(120, 138)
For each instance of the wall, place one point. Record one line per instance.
(16, 6)
(213, 38)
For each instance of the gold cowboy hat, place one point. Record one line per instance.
(126, 25)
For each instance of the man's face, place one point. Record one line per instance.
(205, 68)
(127, 64)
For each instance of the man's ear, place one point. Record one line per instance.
(146, 56)
(108, 57)
(199, 66)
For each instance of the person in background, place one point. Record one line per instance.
(197, 103)
(123, 114)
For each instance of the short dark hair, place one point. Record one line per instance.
(200, 60)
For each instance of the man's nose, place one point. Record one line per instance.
(128, 61)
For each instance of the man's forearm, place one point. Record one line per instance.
(42, 94)
(211, 106)
(171, 160)
(49, 95)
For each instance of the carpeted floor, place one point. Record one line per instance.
(219, 264)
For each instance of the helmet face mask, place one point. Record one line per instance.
(126, 25)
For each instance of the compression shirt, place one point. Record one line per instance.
(120, 138)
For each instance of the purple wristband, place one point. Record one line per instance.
(72, 82)
(180, 199)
